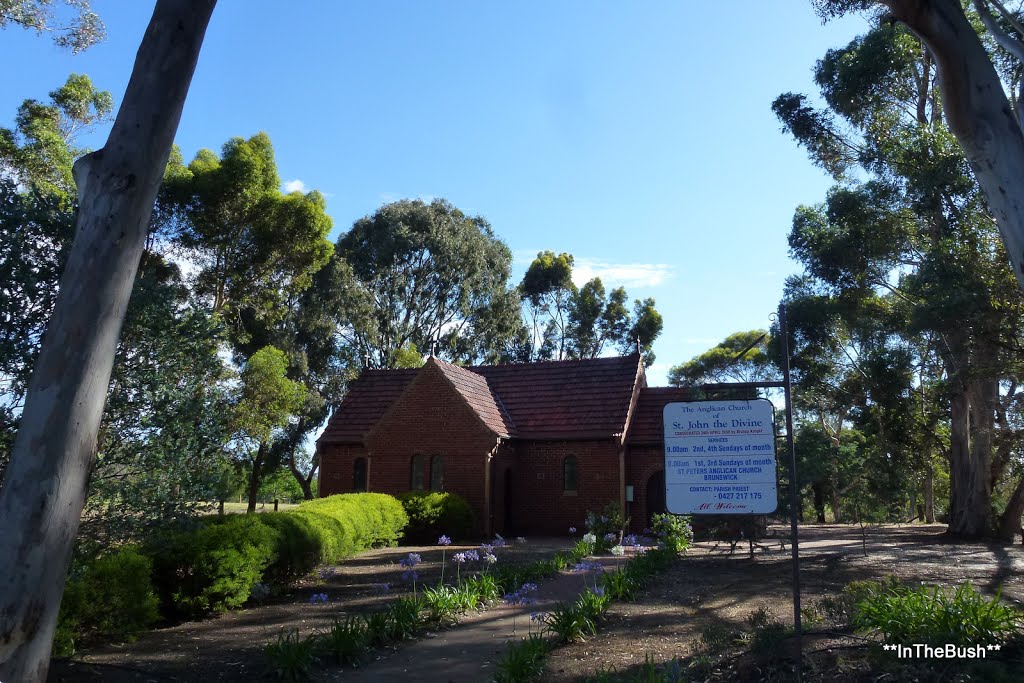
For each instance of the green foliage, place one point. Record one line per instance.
(611, 520)
(523, 661)
(569, 623)
(433, 513)
(214, 567)
(404, 615)
(723, 364)
(110, 598)
(934, 616)
(443, 604)
(77, 32)
(292, 657)
(268, 398)
(620, 585)
(299, 547)
(593, 604)
(571, 322)
(426, 272)
(674, 531)
(485, 586)
(346, 642)
(255, 247)
(650, 672)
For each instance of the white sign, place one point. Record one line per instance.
(720, 458)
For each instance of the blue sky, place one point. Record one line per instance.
(636, 136)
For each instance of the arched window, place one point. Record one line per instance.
(437, 473)
(359, 474)
(569, 479)
(416, 473)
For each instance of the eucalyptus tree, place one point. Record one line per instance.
(44, 486)
(251, 245)
(981, 82)
(724, 362)
(76, 28)
(570, 322)
(425, 274)
(909, 223)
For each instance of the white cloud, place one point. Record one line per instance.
(295, 186)
(621, 274)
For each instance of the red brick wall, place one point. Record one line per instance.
(336, 468)
(431, 419)
(642, 462)
(540, 505)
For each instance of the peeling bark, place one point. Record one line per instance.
(45, 484)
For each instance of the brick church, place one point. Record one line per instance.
(532, 447)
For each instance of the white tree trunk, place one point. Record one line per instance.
(977, 111)
(44, 487)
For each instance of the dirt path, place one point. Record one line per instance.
(710, 587)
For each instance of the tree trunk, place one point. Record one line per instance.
(1010, 523)
(837, 512)
(929, 492)
(818, 489)
(977, 112)
(305, 481)
(45, 484)
(256, 477)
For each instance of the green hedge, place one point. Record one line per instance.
(214, 567)
(110, 598)
(433, 513)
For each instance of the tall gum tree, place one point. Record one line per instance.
(987, 124)
(45, 484)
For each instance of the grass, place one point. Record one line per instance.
(240, 508)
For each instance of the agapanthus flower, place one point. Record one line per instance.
(410, 575)
(618, 551)
(444, 540)
(490, 558)
(589, 538)
(486, 548)
(472, 555)
(572, 530)
(611, 537)
(459, 558)
(317, 597)
(537, 616)
(631, 539)
(411, 560)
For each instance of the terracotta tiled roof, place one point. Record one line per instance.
(550, 400)
(368, 397)
(647, 427)
(479, 396)
(566, 399)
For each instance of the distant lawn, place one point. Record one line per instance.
(240, 508)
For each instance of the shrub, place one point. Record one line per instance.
(523, 661)
(291, 657)
(299, 548)
(347, 642)
(214, 567)
(674, 531)
(350, 522)
(432, 513)
(611, 522)
(930, 615)
(110, 598)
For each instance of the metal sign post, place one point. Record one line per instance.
(720, 460)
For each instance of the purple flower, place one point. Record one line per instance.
(487, 548)
(528, 588)
(410, 575)
(411, 560)
(610, 537)
(536, 616)
(631, 539)
(317, 597)
(444, 540)
(459, 558)
(572, 530)
(472, 555)
(490, 558)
